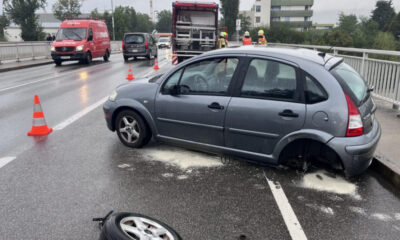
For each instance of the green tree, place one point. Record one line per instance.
(383, 14)
(230, 11)
(124, 20)
(338, 38)
(347, 23)
(245, 23)
(144, 23)
(4, 22)
(164, 23)
(384, 41)
(66, 9)
(22, 12)
(395, 26)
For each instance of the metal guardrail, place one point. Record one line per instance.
(16, 51)
(384, 75)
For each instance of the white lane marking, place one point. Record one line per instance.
(5, 160)
(80, 114)
(28, 83)
(292, 224)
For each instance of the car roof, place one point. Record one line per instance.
(287, 53)
(131, 33)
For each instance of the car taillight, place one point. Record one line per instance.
(146, 44)
(123, 45)
(354, 125)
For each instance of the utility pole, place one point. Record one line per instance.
(151, 11)
(112, 18)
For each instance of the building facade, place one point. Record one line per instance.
(296, 13)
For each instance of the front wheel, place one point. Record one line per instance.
(106, 56)
(58, 62)
(88, 59)
(126, 58)
(132, 129)
(128, 226)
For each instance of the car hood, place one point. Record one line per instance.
(69, 43)
(138, 89)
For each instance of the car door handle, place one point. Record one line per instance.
(215, 105)
(288, 113)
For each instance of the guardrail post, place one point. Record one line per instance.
(364, 58)
(397, 91)
(16, 46)
(33, 52)
(335, 52)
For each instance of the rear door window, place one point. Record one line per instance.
(134, 39)
(352, 82)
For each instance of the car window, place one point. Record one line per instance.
(314, 93)
(90, 33)
(134, 39)
(270, 79)
(172, 81)
(353, 80)
(211, 76)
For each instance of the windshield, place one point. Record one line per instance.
(163, 40)
(134, 39)
(76, 34)
(353, 80)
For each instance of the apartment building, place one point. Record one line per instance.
(297, 13)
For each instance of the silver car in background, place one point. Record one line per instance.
(273, 105)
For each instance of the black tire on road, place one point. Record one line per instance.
(137, 129)
(112, 228)
(126, 58)
(88, 59)
(106, 56)
(58, 62)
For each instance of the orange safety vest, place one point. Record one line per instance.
(247, 41)
(262, 41)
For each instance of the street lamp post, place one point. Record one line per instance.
(112, 18)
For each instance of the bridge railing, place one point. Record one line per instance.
(384, 75)
(16, 51)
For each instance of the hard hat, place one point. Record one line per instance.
(261, 32)
(225, 34)
(247, 33)
(222, 34)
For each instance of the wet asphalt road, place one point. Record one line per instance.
(58, 183)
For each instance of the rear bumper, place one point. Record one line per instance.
(136, 54)
(357, 152)
(68, 57)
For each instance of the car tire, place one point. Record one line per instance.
(106, 56)
(88, 59)
(149, 56)
(131, 129)
(58, 62)
(134, 58)
(126, 58)
(113, 227)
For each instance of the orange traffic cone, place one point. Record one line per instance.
(130, 74)
(39, 126)
(156, 64)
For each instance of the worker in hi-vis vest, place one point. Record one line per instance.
(261, 38)
(222, 41)
(247, 39)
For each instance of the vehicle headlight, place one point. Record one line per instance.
(80, 48)
(53, 49)
(113, 95)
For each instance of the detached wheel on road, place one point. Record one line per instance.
(58, 62)
(131, 129)
(128, 226)
(106, 56)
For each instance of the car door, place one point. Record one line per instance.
(266, 107)
(197, 112)
(91, 42)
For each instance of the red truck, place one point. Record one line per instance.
(82, 40)
(194, 28)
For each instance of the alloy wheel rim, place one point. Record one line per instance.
(129, 129)
(144, 229)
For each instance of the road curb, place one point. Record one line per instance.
(385, 167)
(25, 66)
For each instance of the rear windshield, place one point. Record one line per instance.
(353, 81)
(163, 40)
(76, 34)
(134, 39)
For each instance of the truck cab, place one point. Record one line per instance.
(82, 40)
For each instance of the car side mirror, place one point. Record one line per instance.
(90, 38)
(175, 90)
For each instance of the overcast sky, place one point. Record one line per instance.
(325, 11)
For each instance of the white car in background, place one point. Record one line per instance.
(164, 42)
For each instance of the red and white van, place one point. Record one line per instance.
(82, 40)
